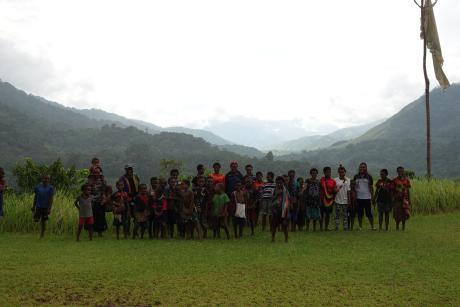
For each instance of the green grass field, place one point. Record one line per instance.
(418, 267)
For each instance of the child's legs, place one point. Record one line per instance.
(387, 219)
(284, 227)
(381, 214)
(80, 227)
(235, 226)
(338, 215)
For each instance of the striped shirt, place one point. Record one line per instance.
(268, 190)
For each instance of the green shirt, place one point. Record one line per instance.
(218, 202)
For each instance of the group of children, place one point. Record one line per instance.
(214, 202)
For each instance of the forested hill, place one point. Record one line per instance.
(401, 139)
(30, 127)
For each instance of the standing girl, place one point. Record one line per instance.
(383, 194)
(364, 187)
(328, 191)
(401, 198)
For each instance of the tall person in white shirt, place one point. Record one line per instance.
(364, 191)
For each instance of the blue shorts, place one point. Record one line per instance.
(313, 213)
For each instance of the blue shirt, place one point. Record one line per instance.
(43, 195)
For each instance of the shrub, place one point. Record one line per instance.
(29, 174)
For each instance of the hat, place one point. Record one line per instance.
(127, 166)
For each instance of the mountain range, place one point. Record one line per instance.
(312, 142)
(31, 126)
(44, 130)
(400, 140)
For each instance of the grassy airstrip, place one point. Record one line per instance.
(418, 267)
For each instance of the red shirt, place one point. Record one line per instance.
(328, 189)
(217, 178)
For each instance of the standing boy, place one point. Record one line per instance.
(120, 210)
(43, 201)
(240, 199)
(216, 176)
(201, 203)
(84, 204)
(280, 209)
(342, 198)
(268, 190)
(312, 198)
(141, 210)
(220, 202)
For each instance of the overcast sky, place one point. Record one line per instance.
(326, 63)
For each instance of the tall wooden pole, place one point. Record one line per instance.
(427, 97)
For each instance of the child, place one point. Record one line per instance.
(342, 198)
(352, 206)
(84, 204)
(251, 210)
(107, 202)
(120, 209)
(2, 190)
(301, 204)
(249, 169)
(382, 196)
(43, 202)
(216, 176)
(97, 184)
(401, 210)
(172, 198)
(311, 196)
(364, 190)
(95, 164)
(201, 204)
(239, 199)
(280, 209)
(258, 185)
(159, 211)
(293, 204)
(220, 202)
(266, 199)
(200, 170)
(154, 184)
(141, 210)
(189, 221)
(174, 173)
(328, 191)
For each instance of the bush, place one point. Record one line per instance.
(30, 173)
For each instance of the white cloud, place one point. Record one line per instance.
(329, 63)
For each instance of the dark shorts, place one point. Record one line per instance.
(142, 224)
(277, 221)
(326, 210)
(384, 207)
(41, 214)
(123, 222)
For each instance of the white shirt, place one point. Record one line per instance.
(362, 186)
(343, 186)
